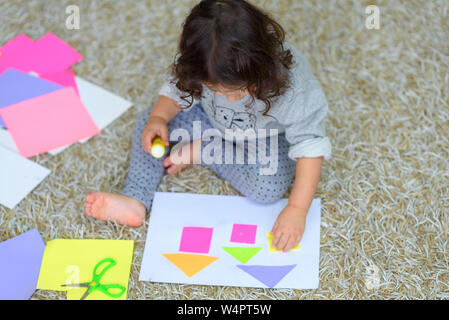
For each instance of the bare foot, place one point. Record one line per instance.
(173, 168)
(183, 158)
(115, 207)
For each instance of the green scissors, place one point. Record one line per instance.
(95, 283)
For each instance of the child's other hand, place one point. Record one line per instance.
(289, 228)
(156, 126)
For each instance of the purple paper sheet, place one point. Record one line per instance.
(16, 86)
(20, 263)
(268, 275)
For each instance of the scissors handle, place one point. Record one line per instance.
(111, 290)
(109, 262)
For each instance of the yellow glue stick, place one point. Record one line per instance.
(157, 148)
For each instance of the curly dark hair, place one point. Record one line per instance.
(232, 43)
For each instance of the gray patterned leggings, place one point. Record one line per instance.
(145, 172)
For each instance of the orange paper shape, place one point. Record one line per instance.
(190, 264)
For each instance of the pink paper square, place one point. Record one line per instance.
(63, 78)
(196, 239)
(16, 54)
(47, 55)
(48, 122)
(244, 233)
(51, 54)
(18, 43)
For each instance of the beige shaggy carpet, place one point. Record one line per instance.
(385, 192)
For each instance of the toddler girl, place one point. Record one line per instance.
(234, 75)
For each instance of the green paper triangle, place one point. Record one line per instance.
(242, 254)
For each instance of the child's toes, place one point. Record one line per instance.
(89, 198)
(167, 162)
(93, 197)
(88, 210)
(97, 207)
(171, 170)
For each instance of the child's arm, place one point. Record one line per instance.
(163, 112)
(302, 110)
(290, 224)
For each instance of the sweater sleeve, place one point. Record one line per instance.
(170, 90)
(302, 112)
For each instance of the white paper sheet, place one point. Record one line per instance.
(103, 106)
(58, 151)
(6, 141)
(173, 211)
(18, 177)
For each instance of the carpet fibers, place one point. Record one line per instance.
(385, 192)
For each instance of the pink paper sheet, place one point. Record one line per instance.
(51, 54)
(48, 122)
(244, 233)
(196, 239)
(16, 44)
(19, 46)
(47, 55)
(65, 78)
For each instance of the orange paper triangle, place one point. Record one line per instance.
(190, 264)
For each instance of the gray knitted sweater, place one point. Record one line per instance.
(300, 112)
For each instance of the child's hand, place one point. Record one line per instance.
(156, 126)
(289, 228)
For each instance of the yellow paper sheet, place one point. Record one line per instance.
(270, 238)
(68, 261)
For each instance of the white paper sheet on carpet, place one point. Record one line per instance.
(6, 141)
(171, 212)
(103, 106)
(18, 177)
